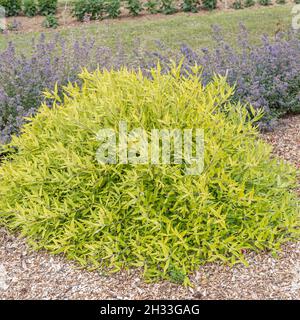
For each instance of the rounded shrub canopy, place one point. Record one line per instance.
(55, 192)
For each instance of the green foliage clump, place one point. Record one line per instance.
(55, 192)
(249, 3)
(94, 9)
(265, 2)
(47, 7)
(167, 7)
(113, 8)
(30, 8)
(50, 22)
(209, 4)
(134, 7)
(237, 5)
(281, 1)
(81, 9)
(152, 6)
(190, 6)
(12, 7)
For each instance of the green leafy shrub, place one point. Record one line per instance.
(297, 1)
(54, 191)
(30, 8)
(265, 2)
(281, 1)
(113, 8)
(167, 7)
(95, 9)
(190, 6)
(237, 5)
(12, 7)
(47, 7)
(249, 3)
(152, 6)
(209, 4)
(81, 9)
(134, 7)
(50, 22)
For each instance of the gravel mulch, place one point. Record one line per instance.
(286, 139)
(37, 275)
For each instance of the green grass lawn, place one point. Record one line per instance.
(192, 29)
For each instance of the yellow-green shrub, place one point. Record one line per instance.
(56, 194)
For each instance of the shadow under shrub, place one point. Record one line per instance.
(55, 193)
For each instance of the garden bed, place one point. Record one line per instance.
(66, 20)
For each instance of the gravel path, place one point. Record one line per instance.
(37, 275)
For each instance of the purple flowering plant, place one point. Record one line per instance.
(265, 75)
(24, 78)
